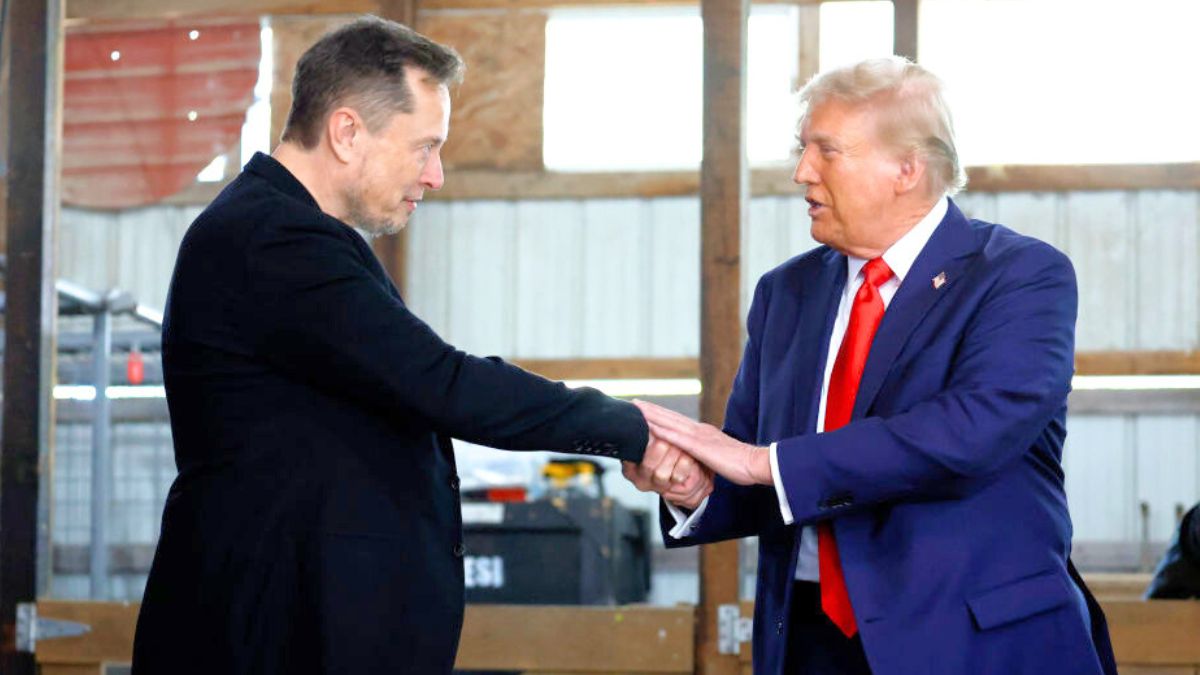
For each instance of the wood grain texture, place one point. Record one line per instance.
(1154, 633)
(84, 10)
(291, 37)
(496, 121)
(577, 639)
(724, 211)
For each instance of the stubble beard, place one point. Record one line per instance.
(358, 215)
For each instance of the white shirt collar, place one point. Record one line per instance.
(902, 254)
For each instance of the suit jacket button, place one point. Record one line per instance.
(454, 483)
(779, 627)
(459, 550)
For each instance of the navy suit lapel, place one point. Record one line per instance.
(813, 333)
(948, 251)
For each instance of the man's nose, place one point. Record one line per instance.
(432, 177)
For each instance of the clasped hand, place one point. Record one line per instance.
(683, 456)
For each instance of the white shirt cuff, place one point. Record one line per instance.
(684, 524)
(785, 509)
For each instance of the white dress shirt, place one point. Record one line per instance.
(900, 258)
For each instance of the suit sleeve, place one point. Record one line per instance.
(318, 315)
(1011, 373)
(735, 511)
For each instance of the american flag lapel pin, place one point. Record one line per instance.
(939, 280)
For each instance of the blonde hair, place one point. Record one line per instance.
(913, 115)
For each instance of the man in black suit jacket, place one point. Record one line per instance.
(314, 526)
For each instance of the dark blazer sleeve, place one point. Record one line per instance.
(318, 314)
(1011, 372)
(735, 511)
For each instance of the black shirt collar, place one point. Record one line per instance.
(269, 168)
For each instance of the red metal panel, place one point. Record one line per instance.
(147, 105)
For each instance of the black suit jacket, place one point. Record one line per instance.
(314, 526)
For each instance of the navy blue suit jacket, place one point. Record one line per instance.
(946, 489)
(315, 526)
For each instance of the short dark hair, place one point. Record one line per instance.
(363, 64)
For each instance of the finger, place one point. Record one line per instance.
(681, 440)
(683, 469)
(629, 470)
(693, 495)
(663, 472)
(656, 450)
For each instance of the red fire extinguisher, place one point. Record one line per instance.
(135, 367)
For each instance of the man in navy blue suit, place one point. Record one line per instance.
(894, 435)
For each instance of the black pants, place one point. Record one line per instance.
(815, 644)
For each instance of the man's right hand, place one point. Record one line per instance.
(672, 473)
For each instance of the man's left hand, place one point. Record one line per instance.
(738, 462)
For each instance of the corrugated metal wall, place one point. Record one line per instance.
(131, 250)
(619, 278)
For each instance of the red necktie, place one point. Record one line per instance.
(865, 316)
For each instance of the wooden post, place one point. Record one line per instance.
(724, 188)
(392, 249)
(904, 28)
(34, 117)
(810, 42)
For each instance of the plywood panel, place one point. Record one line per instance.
(1154, 633)
(549, 279)
(1166, 469)
(427, 291)
(483, 282)
(674, 232)
(1167, 306)
(616, 274)
(577, 639)
(1101, 478)
(497, 117)
(291, 37)
(1100, 243)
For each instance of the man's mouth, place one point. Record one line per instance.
(814, 206)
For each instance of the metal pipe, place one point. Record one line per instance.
(101, 459)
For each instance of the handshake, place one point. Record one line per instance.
(684, 456)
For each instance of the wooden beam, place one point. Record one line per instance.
(613, 369)
(1020, 178)
(1154, 633)
(1137, 363)
(35, 124)
(633, 639)
(577, 639)
(724, 208)
(904, 28)
(84, 10)
(468, 184)
(1086, 363)
(809, 55)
